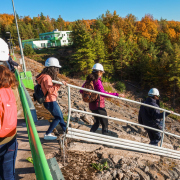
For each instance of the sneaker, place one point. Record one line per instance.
(49, 137)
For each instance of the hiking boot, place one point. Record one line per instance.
(105, 132)
(49, 137)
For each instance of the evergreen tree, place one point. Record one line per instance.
(60, 23)
(42, 17)
(99, 48)
(174, 71)
(83, 59)
(121, 57)
(163, 44)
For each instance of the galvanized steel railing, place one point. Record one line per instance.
(123, 143)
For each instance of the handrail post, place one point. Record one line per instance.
(163, 129)
(69, 107)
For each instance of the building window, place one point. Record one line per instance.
(43, 45)
(64, 40)
(49, 45)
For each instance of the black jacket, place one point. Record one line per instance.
(12, 64)
(150, 116)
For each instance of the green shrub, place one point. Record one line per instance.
(105, 79)
(65, 117)
(83, 77)
(107, 88)
(161, 104)
(120, 86)
(100, 167)
(28, 50)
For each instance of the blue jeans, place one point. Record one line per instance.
(55, 110)
(8, 153)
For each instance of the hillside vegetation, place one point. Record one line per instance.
(145, 51)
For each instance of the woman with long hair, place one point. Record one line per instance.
(98, 106)
(8, 124)
(45, 78)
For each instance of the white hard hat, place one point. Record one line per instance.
(153, 92)
(98, 67)
(52, 61)
(4, 50)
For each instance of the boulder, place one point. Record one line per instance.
(142, 174)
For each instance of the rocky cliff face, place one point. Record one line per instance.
(122, 164)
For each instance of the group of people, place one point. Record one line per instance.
(8, 143)
(147, 116)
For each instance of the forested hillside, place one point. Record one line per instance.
(146, 51)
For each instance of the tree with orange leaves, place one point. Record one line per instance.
(148, 28)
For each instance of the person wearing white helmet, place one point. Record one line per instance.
(4, 53)
(49, 73)
(98, 67)
(98, 106)
(152, 117)
(5, 58)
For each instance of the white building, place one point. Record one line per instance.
(50, 39)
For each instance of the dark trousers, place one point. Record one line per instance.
(154, 137)
(103, 121)
(8, 153)
(55, 110)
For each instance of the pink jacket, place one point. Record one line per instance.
(47, 86)
(99, 87)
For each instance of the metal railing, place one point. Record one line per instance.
(119, 142)
(41, 167)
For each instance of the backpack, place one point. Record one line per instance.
(8, 113)
(89, 96)
(38, 94)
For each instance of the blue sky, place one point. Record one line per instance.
(71, 10)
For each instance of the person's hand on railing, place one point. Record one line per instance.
(172, 112)
(17, 67)
(64, 82)
(121, 95)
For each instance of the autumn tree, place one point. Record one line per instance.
(148, 28)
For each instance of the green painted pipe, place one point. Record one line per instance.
(39, 160)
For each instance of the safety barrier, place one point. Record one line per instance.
(119, 142)
(41, 167)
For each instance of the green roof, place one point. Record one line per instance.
(28, 40)
(48, 33)
(54, 32)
